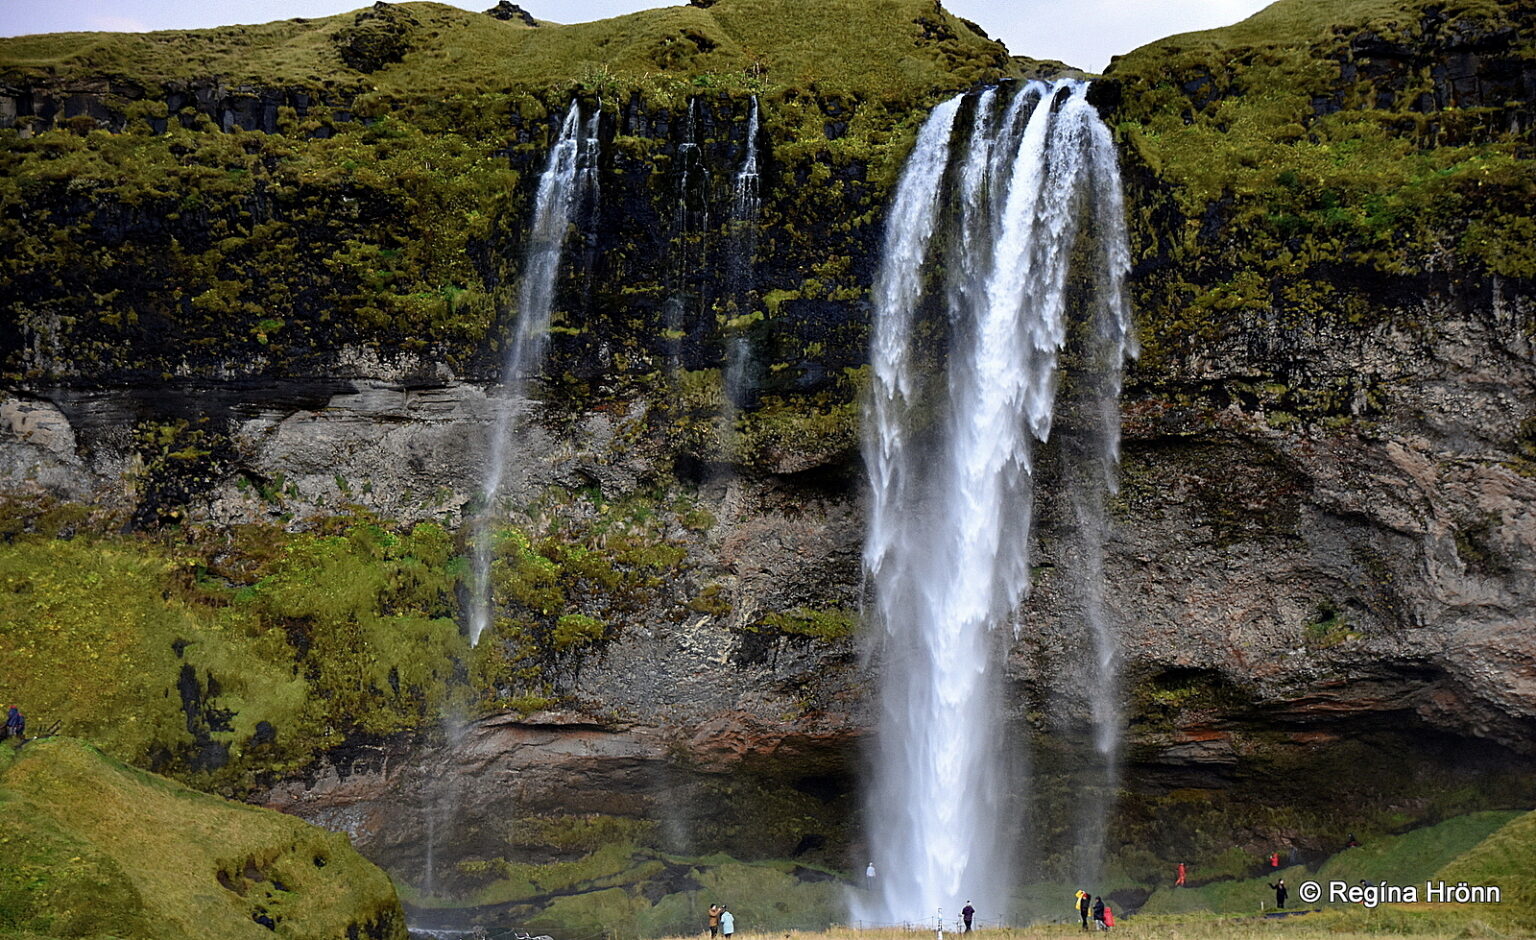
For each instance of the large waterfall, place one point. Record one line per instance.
(568, 177)
(995, 196)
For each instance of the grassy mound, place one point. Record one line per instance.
(1506, 859)
(1303, 22)
(94, 848)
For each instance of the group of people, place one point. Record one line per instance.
(721, 921)
(1282, 893)
(1103, 914)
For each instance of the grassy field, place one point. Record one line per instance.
(1490, 848)
(1426, 922)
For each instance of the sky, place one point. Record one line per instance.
(1083, 33)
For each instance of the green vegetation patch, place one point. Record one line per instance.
(893, 47)
(1411, 858)
(92, 847)
(1507, 858)
(225, 657)
(569, 580)
(264, 248)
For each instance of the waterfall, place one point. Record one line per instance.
(745, 206)
(572, 166)
(1092, 457)
(949, 449)
(744, 196)
(690, 220)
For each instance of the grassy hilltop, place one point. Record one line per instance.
(890, 49)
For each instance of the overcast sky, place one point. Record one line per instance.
(1084, 33)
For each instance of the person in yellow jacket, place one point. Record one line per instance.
(1082, 906)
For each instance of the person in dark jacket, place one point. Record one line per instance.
(1082, 907)
(966, 913)
(1098, 914)
(1281, 893)
(16, 725)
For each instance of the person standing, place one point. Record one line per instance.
(1274, 860)
(714, 920)
(727, 922)
(1281, 893)
(1098, 914)
(16, 725)
(1179, 881)
(869, 877)
(1082, 906)
(966, 913)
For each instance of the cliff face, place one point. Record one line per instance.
(1321, 210)
(244, 299)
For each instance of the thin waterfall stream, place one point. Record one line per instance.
(746, 206)
(570, 170)
(998, 203)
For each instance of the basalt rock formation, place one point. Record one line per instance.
(256, 283)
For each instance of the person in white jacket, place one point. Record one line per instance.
(727, 922)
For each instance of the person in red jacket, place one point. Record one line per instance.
(1179, 881)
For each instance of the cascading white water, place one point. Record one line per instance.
(1090, 474)
(951, 466)
(744, 195)
(745, 207)
(572, 164)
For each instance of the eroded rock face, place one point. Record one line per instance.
(38, 450)
(1298, 557)
(1279, 586)
(467, 794)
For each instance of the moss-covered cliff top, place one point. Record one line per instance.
(879, 48)
(1311, 160)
